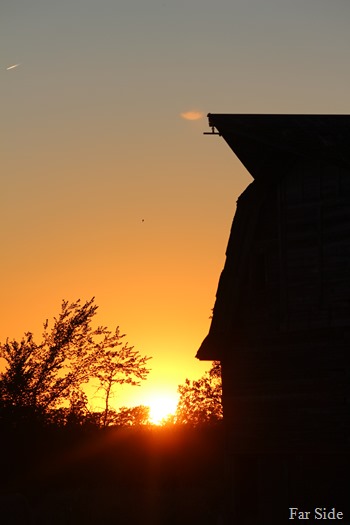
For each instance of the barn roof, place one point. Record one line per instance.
(261, 142)
(265, 144)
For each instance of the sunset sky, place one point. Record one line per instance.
(109, 187)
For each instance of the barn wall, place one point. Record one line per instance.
(315, 245)
(286, 364)
(281, 321)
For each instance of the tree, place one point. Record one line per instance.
(132, 416)
(42, 377)
(117, 363)
(76, 414)
(200, 401)
(39, 377)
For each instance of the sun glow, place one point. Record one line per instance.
(161, 406)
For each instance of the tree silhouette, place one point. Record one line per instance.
(132, 416)
(117, 364)
(39, 378)
(200, 401)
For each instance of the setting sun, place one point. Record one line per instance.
(161, 406)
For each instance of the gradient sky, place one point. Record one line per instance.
(107, 190)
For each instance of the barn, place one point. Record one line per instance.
(281, 321)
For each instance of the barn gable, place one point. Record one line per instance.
(287, 260)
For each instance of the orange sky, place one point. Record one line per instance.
(107, 189)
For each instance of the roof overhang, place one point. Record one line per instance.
(263, 142)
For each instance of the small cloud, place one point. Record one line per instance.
(192, 115)
(12, 67)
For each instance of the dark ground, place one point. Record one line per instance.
(158, 476)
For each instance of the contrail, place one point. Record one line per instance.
(12, 67)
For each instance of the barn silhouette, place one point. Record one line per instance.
(281, 321)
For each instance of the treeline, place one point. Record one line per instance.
(42, 383)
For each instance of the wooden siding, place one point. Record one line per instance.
(316, 246)
(294, 258)
(285, 321)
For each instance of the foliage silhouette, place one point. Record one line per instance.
(200, 401)
(134, 416)
(117, 364)
(40, 378)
